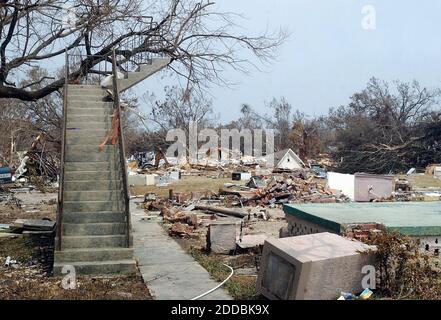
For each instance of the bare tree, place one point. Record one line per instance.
(16, 130)
(197, 38)
(281, 121)
(384, 129)
(308, 135)
(179, 109)
(249, 118)
(45, 112)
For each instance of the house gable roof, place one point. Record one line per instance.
(279, 155)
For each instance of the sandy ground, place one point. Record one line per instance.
(29, 205)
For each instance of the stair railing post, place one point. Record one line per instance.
(62, 157)
(123, 163)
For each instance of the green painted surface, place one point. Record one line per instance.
(410, 218)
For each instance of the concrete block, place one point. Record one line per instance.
(251, 241)
(221, 237)
(312, 267)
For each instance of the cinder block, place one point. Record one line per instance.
(312, 267)
(221, 237)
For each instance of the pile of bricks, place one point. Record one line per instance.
(363, 232)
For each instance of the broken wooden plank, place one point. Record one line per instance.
(34, 224)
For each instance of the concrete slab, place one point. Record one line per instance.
(169, 272)
(222, 237)
(410, 218)
(252, 240)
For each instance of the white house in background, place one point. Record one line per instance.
(287, 159)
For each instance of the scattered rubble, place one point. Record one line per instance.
(180, 230)
(294, 187)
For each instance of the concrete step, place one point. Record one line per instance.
(107, 195)
(91, 206)
(99, 267)
(145, 71)
(111, 165)
(90, 149)
(93, 229)
(83, 86)
(77, 106)
(91, 89)
(93, 217)
(89, 125)
(75, 140)
(73, 156)
(76, 242)
(89, 118)
(85, 98)
(101, 254)
(91, 175)
(91, 157)
(72, 95)
(92, 185)
(76, 132)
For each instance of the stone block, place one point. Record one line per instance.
(221, 237)
(312, 267)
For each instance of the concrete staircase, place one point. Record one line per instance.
(94, 226)
(144, 71)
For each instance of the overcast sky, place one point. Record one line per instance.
(329, 55)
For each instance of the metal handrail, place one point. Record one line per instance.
(123, 163)
(100, 68)
(60, 209)
(101, 63)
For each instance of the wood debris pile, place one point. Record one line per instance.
(295, 187)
